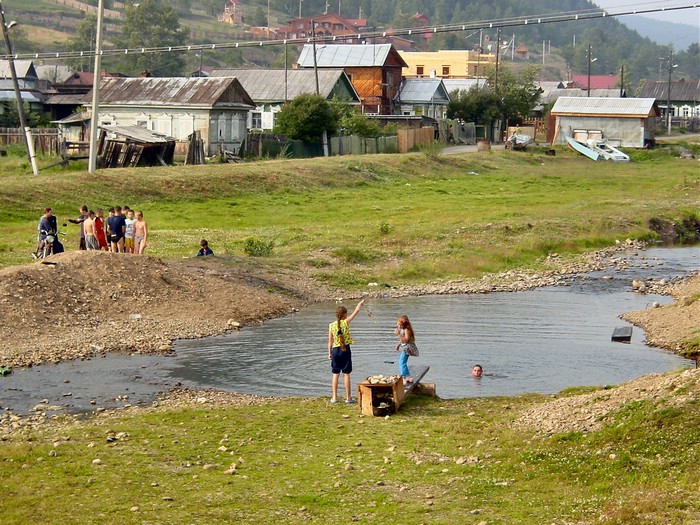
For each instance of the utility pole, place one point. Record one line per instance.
(668, 92)
(92, 155)
(28, 140)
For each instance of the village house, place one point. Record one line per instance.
(626, 122)
(29, 85)
(177, 107)
(684, 96)
(327, 25)
(271, 88)
(446, 63)
(423, 97)
(597, 82)
(375, 71)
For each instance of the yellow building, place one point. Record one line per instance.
(452, 63)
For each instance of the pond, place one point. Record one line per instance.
(542, 340)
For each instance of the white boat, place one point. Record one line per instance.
(607, 151)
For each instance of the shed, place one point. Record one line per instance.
(271, 88)
(625, 122)
(178, 107)
(423, 96)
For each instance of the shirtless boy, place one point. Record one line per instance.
(91, 242)
(140, 233)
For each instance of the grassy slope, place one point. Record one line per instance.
(390, 218)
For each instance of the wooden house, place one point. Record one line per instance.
(271, 88)
(423, 97)
(327, 25)
(684, 96)
(374, 70)
(178, 107)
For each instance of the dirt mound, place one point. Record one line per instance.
(78, 304)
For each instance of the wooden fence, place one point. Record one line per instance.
(411, 138)
(354, 145)
(46, 140)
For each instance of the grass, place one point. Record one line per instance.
(303, 461)
(383, 218)
(394, 218)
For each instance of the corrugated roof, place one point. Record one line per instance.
(23, 68)
(588, 106)
(681, 90)
(194, 92)
(138, 134)
(423, 90)
(344, 55)
(267, 85)
(464, 84)
(549, 96)
(27, 96)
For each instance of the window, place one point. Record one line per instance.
(420, 70)
(142, 123)
(256, 120)
(445, 71)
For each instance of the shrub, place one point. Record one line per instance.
(255, 247)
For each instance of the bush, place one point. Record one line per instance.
(255, 247)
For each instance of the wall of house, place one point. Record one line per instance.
(219, 127)
(626, 132)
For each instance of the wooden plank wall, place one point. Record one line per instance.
(410, 138)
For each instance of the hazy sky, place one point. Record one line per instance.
(681, 16)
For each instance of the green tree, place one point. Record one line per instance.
(147, 25)
(83, 40)
(476, 105)
(516, 93)
(306, 117)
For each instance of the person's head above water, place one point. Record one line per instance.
(477, 370)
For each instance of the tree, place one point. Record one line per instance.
(306, 117)
(476, 105)
(147, 25)
(516, 93)
(83, 40)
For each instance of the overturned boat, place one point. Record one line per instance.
(598, 149)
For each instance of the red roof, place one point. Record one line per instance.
(597, 81)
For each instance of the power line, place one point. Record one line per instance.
(522, 21)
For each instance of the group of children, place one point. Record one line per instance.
(124, 230)
(339, 354)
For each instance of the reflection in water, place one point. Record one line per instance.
(537, 341)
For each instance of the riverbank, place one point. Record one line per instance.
(72, 307)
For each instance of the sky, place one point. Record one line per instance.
(680, 16)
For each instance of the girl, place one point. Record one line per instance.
(339, 341)
(407, 346)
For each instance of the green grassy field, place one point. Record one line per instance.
(384, 218)
(305, 461)
(398, 219)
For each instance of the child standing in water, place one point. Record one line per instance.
(339, 341)
(407, 346)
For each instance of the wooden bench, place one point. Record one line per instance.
(381, 399)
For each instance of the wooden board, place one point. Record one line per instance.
(370, 396)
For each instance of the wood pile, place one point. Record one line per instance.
(195, 149)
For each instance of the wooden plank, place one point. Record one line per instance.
(417, 374)
(622, 334)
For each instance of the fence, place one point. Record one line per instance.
(46, 140)
(354, 145)
(411, 138)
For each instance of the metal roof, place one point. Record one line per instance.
(267, 85)
(188, 92)
(138, 134)
(27, 96)
(598, 106)
(345, 55)
(465, 84)
(681, 90)
(23, 68)
(423, 90)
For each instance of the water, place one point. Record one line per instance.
(538, 341)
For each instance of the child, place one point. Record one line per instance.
(204, 250)
(129, 232)
(407, 346)
(140, 233)
(339, 341)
